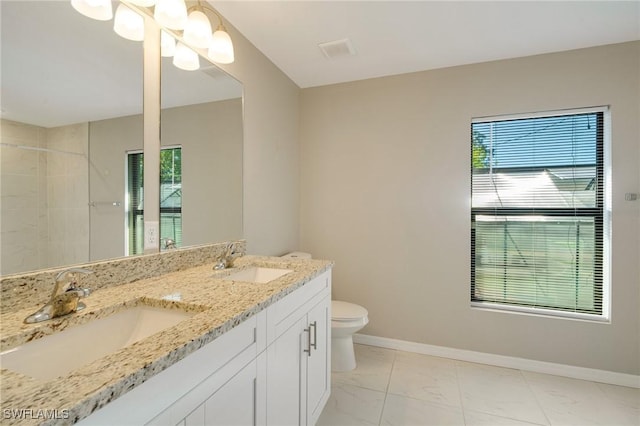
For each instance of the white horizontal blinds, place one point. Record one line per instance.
(537, 211)
(135, 213)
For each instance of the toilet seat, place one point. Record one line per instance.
(346, 312)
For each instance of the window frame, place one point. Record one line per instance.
(132, 213)
(601, 215)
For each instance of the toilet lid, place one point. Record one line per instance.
(344, 311)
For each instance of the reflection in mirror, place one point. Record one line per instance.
(64, 77)
(201, 125)
(71, 113)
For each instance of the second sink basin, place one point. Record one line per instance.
(58, 354)
(257, 274)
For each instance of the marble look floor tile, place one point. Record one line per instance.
(498, 391)
(425, 377)
(621, 394)
(568, 401)
(475, 418)
(403, 411)
(373, 368)
(352, 405)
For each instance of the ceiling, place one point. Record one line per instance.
(396, 37)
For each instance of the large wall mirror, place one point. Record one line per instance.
(72, 118)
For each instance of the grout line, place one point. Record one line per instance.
(386, 391)
(535, 396)
(464, 412)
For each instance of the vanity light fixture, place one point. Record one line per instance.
(143, 3)
(197, 32)
(167, 44)
(95, 9)
(185, 58)
(128, 24)
(172, 16)
(221, 47)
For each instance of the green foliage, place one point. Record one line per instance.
(171, 165)
(480, 152)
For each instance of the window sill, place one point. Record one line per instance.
(539, 312)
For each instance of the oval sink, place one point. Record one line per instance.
(58, 354)
(257, 274)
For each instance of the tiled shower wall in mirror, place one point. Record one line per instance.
(45, 197)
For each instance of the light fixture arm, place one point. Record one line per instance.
(204, 8)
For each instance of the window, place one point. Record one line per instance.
(539, 233)
(170, 199)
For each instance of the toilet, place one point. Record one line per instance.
(346, 320)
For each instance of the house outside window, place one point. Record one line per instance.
(539, 216)
(170, 199)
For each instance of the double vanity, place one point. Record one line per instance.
(243, 345)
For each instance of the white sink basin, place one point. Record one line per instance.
(60, 353)
(258, 274)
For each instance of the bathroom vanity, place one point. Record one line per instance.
(249, 352)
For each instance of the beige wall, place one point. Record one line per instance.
(271, 151)
(385, 192)
(110, 140)
(211, 137)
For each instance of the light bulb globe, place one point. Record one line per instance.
(185, 58)
(128, 24)
(221, 47)
(95, 9)
(197, 32)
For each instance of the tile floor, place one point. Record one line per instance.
(392, 387)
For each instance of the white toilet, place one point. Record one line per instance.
(346, 320)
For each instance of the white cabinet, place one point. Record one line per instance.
(319, 360)
(235, 403)
(223, 370)
(298, 359)
(272, 369)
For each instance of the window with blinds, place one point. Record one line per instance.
(170, 199)
(538, 213)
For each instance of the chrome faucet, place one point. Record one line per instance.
(230, 255)
(65, 297)
(168, 243)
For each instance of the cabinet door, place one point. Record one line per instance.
(285, 365)
(234, 403)
(319, 360)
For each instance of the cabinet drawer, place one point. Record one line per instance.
(284, 313)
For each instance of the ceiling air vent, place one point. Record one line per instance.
(213, 71)
(337, 48)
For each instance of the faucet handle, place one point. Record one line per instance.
(62, 275)
(66, 280)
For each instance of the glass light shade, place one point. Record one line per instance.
(95, 9)
(167, 44)
(143, 3)
(171, 14)
(221, 47)
(185, 58)
(197, 32)
(128, 24)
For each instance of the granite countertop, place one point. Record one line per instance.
(219, 305)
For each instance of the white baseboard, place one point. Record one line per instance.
(601, 376)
